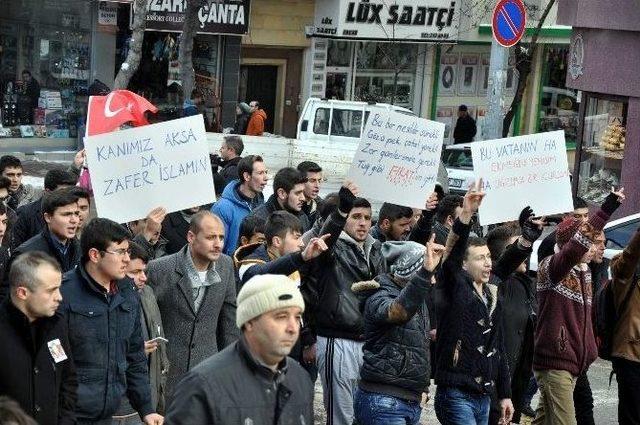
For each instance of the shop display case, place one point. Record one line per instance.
(602, 146)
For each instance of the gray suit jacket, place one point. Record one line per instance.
(193, 337)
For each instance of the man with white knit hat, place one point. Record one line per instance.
(252, 381)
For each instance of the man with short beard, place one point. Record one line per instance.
(252, 381)
(241, 197)
(196, 293)
(288, 195)
(354, 256)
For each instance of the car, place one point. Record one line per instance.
(459, 164)
(617, 235)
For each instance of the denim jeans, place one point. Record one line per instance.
(456, 407)
(380, 409)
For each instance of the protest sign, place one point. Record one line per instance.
(398, 158)
(138, 169)
(519, 171)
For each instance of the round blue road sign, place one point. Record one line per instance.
(508, 23)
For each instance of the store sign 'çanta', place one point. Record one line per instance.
(433, 20)
(221, 17)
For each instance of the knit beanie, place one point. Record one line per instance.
(244, 107)
(566, 229)
(265, 293)
(403, 258)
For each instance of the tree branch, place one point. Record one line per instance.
(131, 63)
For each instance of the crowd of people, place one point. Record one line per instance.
(229, 313)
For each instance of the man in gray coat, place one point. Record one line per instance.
(196, 293)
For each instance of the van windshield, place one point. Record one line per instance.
(457, 158)
(346, 122)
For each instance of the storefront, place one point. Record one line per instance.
(52, 41)
(215, 55)
(363, 51)
(608, 148)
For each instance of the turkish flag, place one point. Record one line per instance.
(107, 113)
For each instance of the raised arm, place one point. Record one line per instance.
(624, 265)
(422, 229)
(382, 308)
(517, 253)
(571, 253)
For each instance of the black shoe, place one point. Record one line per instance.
(527, 410)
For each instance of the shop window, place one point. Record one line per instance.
(345, 122)
(602, 147)
(51, 40)
(558, 104)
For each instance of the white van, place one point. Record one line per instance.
(338, 120)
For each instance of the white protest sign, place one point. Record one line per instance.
(519, 171)
(398, 158)
(138, 169)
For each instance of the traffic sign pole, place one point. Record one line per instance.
(508, 24)
(495, 91)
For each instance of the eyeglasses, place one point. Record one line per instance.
(120, 252)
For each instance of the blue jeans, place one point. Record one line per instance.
(456, 407)
(380, 409)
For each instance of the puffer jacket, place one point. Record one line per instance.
(232, 387)
(396, 348)
(335, 307)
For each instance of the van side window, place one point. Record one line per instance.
(321, 121)
(346, 123)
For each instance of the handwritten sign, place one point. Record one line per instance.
(519, 171)
(138, 169)
(398, 157)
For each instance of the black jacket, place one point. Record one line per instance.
(44, 242)
(174, 230)
(465, 130)
(45, 390)
(396, 348)
(263, 212)
(229, 170)
(231, 387)
(240, 126)
(470, 348)
(519, 305)
(30, 222)
(327, 286)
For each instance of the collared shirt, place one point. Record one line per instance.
(62, 247)
(198, 285)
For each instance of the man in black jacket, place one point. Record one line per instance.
(355, 256)
(230, 152)
(30, 216)
(396, 367)
(288, 195)
(252, 381)
(312, 201)
(465, 129)
(470, 352)
(58, 238)
(36, 366)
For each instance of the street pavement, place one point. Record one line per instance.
(604, 411)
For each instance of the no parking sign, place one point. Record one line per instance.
(508, 22)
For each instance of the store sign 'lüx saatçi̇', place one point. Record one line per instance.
(405, 20)
(218, 17)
